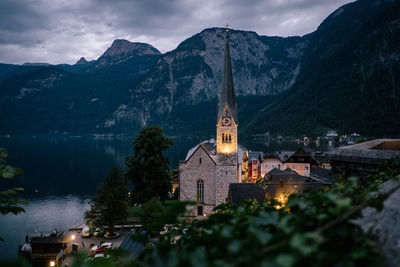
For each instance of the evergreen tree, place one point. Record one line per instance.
(148, 168)
(110, 204)
(9, 202)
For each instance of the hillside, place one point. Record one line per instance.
(343, 76)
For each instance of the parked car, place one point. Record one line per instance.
(102, 247)
(85, 232)
(98, 232)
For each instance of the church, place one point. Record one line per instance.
(209, 167)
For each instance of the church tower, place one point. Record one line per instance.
(227, 115)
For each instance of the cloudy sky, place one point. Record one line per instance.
(59, 31)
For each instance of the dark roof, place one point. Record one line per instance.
(132, 246)
(278, 181)
(321, 172)
(239, 192)
(303, 152)
(256, 155)
(284, 155)
(49, 239)
(227, 95)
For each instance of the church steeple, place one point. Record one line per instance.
(227, 95)
(227, 115)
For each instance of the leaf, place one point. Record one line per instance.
(285, 260)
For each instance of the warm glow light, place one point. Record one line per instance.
(52, 263)
(73, 237)
(282, 199)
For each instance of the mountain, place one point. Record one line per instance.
(349, 79)
(343, 76)
(192, 73)
(123, 50)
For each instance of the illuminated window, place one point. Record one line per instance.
(200, 191)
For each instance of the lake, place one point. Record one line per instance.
(60, 175)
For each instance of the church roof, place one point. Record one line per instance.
(209, 147)
(227, 95)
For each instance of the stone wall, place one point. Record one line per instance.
(192, 171)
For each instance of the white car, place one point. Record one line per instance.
(85, 232)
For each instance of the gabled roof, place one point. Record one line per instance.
(208, 146)
(256, 155)
(227, 95)
(284, 155)
(303, 152)
(239, 192)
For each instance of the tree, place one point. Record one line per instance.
(109, 206)
(9, 203)
(148, 168)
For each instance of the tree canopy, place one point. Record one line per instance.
(109, 206)
(148, 168)
(9, 202)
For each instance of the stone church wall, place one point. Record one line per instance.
(191, 172)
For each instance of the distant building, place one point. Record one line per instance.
(255, 160)
(285, 182)
(270, 162)
(212, 165)
(302, 161)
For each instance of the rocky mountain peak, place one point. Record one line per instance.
(81, 61)
(122, 50)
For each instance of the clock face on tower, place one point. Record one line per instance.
(226, 121)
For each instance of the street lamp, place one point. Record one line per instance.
(52, 263)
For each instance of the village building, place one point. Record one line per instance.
(255, 160)
(302, 161)
(209, 167)
(270, 162)
(363, 159)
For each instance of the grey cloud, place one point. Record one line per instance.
(59, 31)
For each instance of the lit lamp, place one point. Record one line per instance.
(52, 263)
(72, 237)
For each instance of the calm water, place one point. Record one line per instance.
(60, 176)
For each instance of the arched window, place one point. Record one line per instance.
(230, 138)
(223, 137)
(199, 160)
(200, 191)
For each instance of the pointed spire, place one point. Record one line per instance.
(227, 95)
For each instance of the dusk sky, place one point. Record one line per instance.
(58, 31)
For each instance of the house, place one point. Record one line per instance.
(285, 182)
(302, 161)
(255, 160)
(270, 162)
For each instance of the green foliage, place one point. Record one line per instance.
(148, 169)
(156, 214)
(361, 140)
(9, 202)
(135, 211)
(110, 205)
(314, 229)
